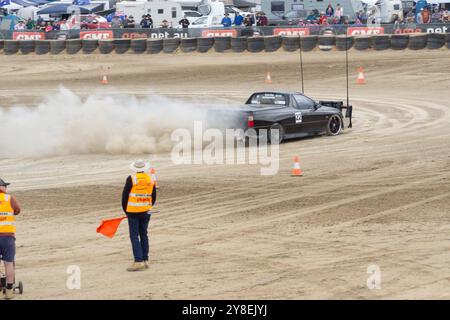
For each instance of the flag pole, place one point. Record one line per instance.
(301, 63)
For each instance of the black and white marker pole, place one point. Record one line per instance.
(301, 63)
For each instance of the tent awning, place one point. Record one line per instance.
(38, 2)
(13, 6)
(62, 8)
(437, 1)
(23, 3)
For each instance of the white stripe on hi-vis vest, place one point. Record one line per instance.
(6, 213)
(140, 195)
(142, 204)
(7, 223)
(7, 196)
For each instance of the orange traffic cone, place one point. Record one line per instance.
(296, 170)
(104, 80)
(360, 79)
(268, 78)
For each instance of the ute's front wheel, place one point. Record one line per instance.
(334, 126)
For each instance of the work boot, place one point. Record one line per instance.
(136, 266)
(9, 294)
(146, 264)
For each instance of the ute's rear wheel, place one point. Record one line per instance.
(334, 126)
(273, 131)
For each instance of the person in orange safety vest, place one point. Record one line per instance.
(138, 197)
(9, 208)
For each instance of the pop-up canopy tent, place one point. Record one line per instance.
(38, 2)
(63, 8)
(12, 6)
(23, 3)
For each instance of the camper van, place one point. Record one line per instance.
(390, 10)
(384, 11)
(213, 12)
(159, 10)
(106, 5)
(277, 9)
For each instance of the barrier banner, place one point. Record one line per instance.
(62, 34)
(291, 32)
(152, 33)
(27, 35)
(161, 33)
(413, 28)
(219, 33)
(364, 31)
(97, 34)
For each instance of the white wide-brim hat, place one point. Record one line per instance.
(140, 166)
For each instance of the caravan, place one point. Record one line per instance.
(276, 10)
(159, 10)
(390, 10)
(213, 12)
(384, 11)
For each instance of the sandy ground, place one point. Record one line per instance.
(377, 194)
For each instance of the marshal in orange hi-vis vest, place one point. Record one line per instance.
(7, 218)
(140, 198)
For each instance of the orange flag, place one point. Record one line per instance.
(109, 227)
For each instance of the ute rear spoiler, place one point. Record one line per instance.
(340, 105)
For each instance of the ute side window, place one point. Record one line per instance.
(304, 102)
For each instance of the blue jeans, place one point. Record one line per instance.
(8, 248)
(138, 225)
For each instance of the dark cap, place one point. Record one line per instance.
(3, 183)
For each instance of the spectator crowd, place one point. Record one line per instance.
(329, 16)
(259, 19)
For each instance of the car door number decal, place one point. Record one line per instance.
(298, 117)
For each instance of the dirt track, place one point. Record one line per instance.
(377, 194)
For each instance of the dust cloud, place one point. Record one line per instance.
(65, 123)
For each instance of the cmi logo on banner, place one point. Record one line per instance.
(96, 35)
(17, 35)
(364, 31)
(291, 31)
(219, 33)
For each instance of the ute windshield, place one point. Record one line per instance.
(264, 99)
